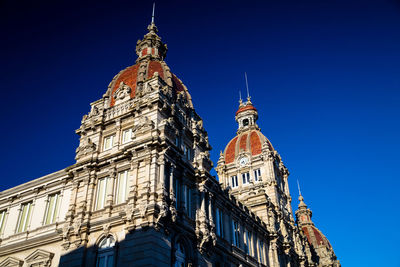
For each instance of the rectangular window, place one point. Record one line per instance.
(2, 220)
(121, 193)
(178, 141)
(177, 193)
(257, 175)
(234, 181)
(188, 152)
(187, 195)
(235, 234)
(24, 217)
(219, 222)
(52, 208)
(101, 193)
(126, 136)
(260, 251)
(250, 244)
(246, 242)
(108, 142)
(246, 177)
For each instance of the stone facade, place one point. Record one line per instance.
(141, 193)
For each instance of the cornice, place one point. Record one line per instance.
(34, 183)
(30, 243)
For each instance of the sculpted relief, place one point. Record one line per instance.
(122, 93)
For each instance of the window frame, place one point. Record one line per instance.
(129, 130)
(235, 233)
(3, 215)
(246, 178)
(125, 187)
(104, 199)
(106, 252)
(257, 175)
(219, 222)
(260, 246)
(24, 217)
(55, 209)
(112, 137)
(234, 181)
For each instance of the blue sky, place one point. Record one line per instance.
(324, 76)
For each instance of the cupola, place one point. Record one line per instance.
(246, 116)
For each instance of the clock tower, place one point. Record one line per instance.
(252, 170)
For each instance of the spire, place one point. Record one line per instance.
(298, 186)
(151, 47)
(152, 15)
(247, 114)
(301, 199)
(303, 214)
(152, 27)
(247, 88)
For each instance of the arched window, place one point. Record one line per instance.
(180, 256)
(105, 254)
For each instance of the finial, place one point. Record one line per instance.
(247, 87)
(152, 15)
(240, 98)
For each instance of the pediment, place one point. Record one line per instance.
(39, 256)
(11, 262)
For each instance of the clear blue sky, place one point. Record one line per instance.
(324, 76)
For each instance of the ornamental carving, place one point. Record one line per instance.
(129, 211)
(144, 124)
(122, 93)
(86, 147)
(39, 257)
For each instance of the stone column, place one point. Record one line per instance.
(133, 180)
(112, 173)
(72, 205)
(117, 133)
(171, 183)
(172, 196)
(90, 194)
(161, 181)
(273, 257)
(210, 209)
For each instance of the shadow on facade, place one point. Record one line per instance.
(141, 247)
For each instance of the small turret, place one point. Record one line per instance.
(321, 249)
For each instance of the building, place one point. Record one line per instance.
(141, 193)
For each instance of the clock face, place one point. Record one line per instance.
(243, 161)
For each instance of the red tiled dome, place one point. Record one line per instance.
(249, 141)
(315, 237)
(130, 77)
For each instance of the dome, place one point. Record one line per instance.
(248, 141)
(151, 52)
(244, 108)
(130, 77)
(315, 237)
